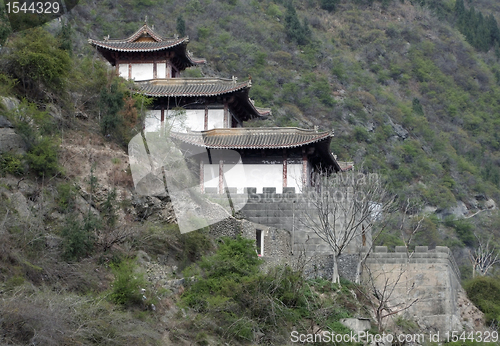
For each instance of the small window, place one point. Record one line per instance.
(259, 242)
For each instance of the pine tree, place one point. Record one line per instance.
(494, 31)
(296, 31)
(181, 26)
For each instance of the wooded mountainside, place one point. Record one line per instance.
(410, 88)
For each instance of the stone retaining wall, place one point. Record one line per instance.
(431, 276)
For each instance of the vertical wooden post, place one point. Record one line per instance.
(129, 71)
(155, 74)
(304, 169)
(285, 168)
(162, 120)
(221, 177)
(226, 115)
(168, 72)
(202, 176)
(205, 126)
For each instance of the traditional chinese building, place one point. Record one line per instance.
(215, 110)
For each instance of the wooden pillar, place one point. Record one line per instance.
(168, 72)
(205, 126)
(285, 169)
(202, 176)
(130, 71)
(162, 115)
(155, 74)
(221, 177)
(226, 115)
(304, 169)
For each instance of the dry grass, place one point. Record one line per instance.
(44, 317)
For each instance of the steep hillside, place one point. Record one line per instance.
(404, 91)
(408, 92)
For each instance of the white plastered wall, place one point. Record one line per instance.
(195, 119)
(161, 70)
(246, 175)
(294, 176)
(123, 70)
(215, 118)
(152, 121)
(142, 71)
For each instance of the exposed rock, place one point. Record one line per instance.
(471, 317)
(142, 257)
(400, 131)
(9, 102)
(490, 204)
(458, 212)
(10, 141)
(151, 185)
(356, 324)
(20, 204)
(54, 111)
(4, 123)
(429, 209)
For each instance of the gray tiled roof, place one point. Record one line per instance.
(140, 46)
(182, 87)
(252, 138)
(132, 44)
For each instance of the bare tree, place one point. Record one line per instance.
(382, 287)
(383, 284)
(343, 207)
(484, 256)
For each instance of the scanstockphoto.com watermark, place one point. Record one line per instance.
(419, 338)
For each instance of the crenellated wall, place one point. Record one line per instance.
(281, 211)
(429, 275)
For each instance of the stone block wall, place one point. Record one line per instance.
(431, 276)
(280, 211)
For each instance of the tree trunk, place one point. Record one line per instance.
(358, 272)
(335, 276)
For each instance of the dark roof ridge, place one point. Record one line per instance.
(142, 30)
(264, 130)
(200, 80)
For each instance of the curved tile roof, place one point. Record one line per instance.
(189, 87)
(252, 138)
(139, 46)
(133, 44)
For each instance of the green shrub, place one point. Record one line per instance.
(329, 5)
(66, 195)
(484, 292)
(127, 285)
(42, 158)
(360, 134)
(11, 164)
(79, 237)
(35, 59)
(465, 232)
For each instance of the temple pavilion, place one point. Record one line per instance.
(214, 111)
